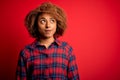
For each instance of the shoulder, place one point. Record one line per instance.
(67, 46)
(64, 43)
(27, 49)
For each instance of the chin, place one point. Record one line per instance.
(48, 36)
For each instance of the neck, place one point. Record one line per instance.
(46, 42)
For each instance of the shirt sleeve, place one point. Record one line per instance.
(72, 67)
(21, 67)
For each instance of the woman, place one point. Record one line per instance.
(47, 58)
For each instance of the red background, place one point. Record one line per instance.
(93, 31)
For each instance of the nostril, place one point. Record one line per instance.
(47, 26)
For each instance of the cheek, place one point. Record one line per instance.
(40, 27)
(55, 28)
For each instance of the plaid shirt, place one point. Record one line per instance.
(57, 62)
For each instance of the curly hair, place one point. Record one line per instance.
(47, 7)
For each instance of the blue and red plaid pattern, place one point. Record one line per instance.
(54, 63)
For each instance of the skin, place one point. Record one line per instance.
(47, 27)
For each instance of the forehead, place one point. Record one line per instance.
(46, 15)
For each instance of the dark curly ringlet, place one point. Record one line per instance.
(47, 7)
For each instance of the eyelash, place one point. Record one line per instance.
(43, 21)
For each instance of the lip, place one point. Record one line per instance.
(47, 30)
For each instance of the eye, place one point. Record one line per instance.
(52, 20)
(42, 21)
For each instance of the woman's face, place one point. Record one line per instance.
(47, 25)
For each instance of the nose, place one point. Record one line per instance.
(47, 24)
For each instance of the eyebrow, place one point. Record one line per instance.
(41, 18)
(45, 18)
